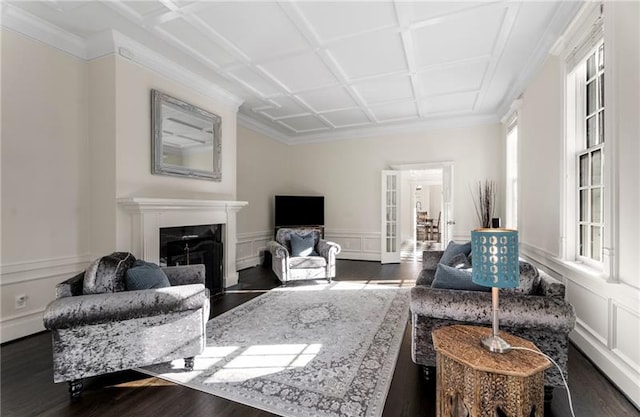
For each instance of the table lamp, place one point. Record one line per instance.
(494, 256)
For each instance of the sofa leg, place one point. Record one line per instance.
(188, 363)
(75, 388)
(548, 396)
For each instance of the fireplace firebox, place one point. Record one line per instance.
(188, 245)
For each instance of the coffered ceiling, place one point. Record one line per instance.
(309, 71)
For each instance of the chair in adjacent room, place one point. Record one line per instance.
(435, 229)
(300, 253)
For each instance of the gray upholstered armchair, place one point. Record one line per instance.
(290, 266)
(95, 334)
(542, 316)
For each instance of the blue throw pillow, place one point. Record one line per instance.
(145, 275)
(454, 249)
(455, 279)
(303, 245)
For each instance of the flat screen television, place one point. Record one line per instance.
(294, 210)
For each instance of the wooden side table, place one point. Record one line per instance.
(471, 381)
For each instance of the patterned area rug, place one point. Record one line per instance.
(315, 350)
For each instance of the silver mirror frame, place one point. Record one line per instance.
(158, 166)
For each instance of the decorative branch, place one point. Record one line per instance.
(484, 202)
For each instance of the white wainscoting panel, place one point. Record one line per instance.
(250, 248)
(625, 337)
(365, 246)
(37, 281)
(608, 318)
(354, 245)
(591, 310)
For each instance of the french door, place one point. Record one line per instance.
(390, 227)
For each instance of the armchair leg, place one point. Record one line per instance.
(75, 388)
(188, 363)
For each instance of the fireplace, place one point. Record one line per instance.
(149, 215)
(187, 245)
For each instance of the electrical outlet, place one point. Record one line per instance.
(21, 301)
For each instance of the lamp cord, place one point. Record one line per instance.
(557, 366)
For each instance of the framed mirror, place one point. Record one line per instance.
(185, 139)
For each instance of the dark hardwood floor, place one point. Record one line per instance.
(27, 388)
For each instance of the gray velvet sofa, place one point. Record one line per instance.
(95, 334)
(290, 268)
(543, 316)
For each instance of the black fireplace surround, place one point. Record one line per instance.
(188, 245)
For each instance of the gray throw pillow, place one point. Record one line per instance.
(303, 245)
(106, 274)
(454, 249)
(145, 275)
(460, 261)
(447, 277)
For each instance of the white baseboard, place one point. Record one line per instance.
(250, 248)
(358, 256)
(617, 371)
(248, 262)
(35, 279)
(21, 326)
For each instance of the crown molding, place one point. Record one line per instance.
(20, 21)
(580, 23)
(142, 55)
(545, 45)
(111, 42)
(259, 127)
(363, 133)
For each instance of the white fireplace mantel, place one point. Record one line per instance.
(148, 215)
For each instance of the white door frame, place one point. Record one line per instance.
(447, 220)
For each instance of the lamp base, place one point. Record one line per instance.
(496, 344)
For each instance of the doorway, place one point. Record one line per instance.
(424, 210)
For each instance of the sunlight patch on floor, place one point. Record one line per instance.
(261, 360)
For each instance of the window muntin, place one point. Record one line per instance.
(590, 160)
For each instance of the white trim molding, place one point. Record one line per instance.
(17, 327)
(250, 248)
(356, 245)
(148, 215)
(605, 313)
(111, 42)
(36, 280)
(42, 269)
(20, 21)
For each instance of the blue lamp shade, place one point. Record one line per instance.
(494, 256)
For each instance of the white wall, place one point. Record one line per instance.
(435, 201)
(263, 171)
(608, 313)
(75, 138)
(45, 181)
(133, 144)
(347, 173)
(540, 133)
(102, 144)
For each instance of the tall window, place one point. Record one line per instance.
(586, 147)
(512, 176)
(589, 156)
